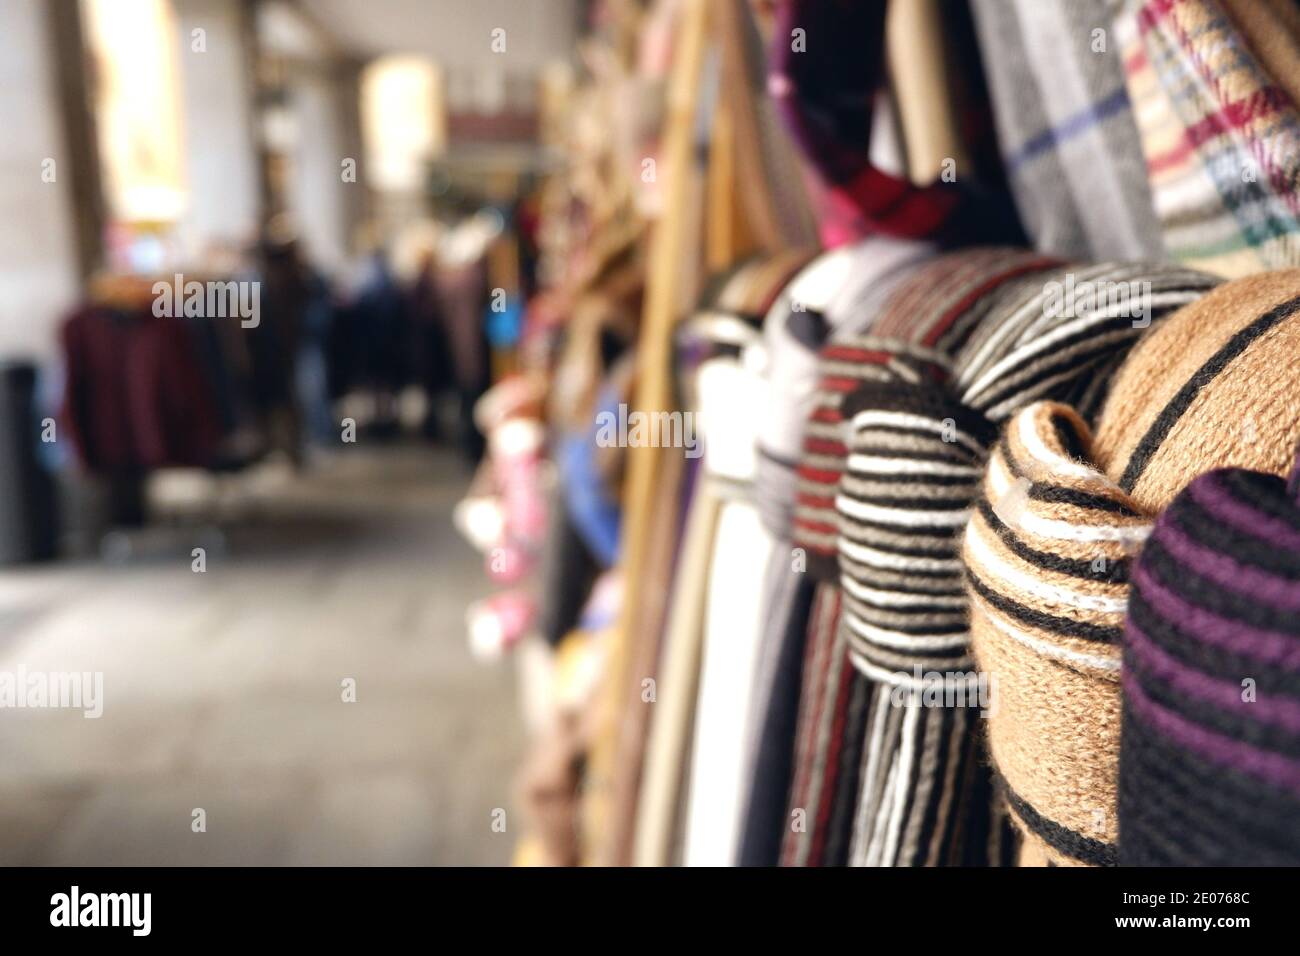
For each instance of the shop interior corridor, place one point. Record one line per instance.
(224, 689)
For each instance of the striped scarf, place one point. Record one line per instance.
(839, 294)
(917, 452)
(1065, 128)
(1215, 86)
(1050, 555)
(843, 365)
(927, 316)
(1209, 771)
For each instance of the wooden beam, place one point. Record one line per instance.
(605, 827)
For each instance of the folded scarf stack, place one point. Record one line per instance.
(1050, 557)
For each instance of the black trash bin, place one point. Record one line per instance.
(28, 530)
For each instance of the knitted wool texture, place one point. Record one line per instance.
(839, 293)
(924, 321)
(1215, 86)
(916, 455)
(1049, 550)
(1209, 771)
(917, 451)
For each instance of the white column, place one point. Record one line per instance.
(38, 267)
(316, 190)
(220, 155)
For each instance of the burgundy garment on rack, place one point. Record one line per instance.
(136, 396)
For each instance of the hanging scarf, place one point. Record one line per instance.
(925, 316)
(1209, 767)
(1215, 87)
(826, 70)
(1065, 128)
(1050, 558)
(838, 295)
(694, 708)
(917, 447)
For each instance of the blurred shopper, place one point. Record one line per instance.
(312, 379)
(275, 340)
(429, 348)
(378, 319)
(462, 291)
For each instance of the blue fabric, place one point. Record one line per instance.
(505, 327)
(594, 513)
(1070, 128)
(592, 509)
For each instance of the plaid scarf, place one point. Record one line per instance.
(1065, 128)
(1049, 554)
(826, 67)
(1214, 90)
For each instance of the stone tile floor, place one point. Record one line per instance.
(223, 689)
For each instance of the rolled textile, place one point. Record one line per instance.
(1215, 91)
(1049, 551)
(1209, 757)
(1047, 554)
(838, 294)
(937, 307)
(1066, 130)
(947, 286)
(916, 454)
(916, 451)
